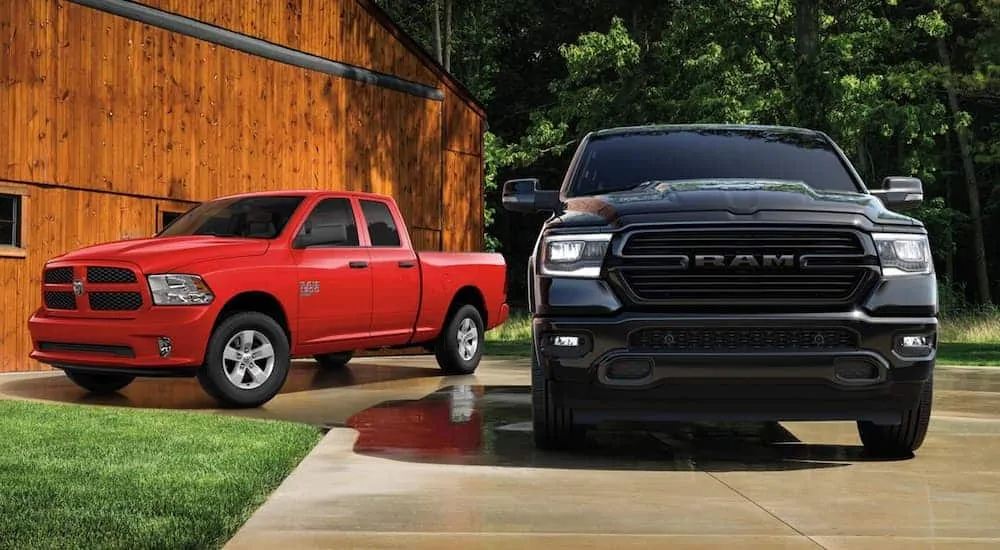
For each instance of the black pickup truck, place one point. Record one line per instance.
(728, 273)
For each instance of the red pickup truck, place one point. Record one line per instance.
(235, 288)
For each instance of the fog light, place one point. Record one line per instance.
(566, 341)
(916, 342)
(165, 345)
(566, 346)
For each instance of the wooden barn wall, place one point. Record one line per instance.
(106, 120)
(131, 108)
(336, 29)
(462, 199)
(58, 220)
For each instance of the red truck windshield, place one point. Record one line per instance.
(249, 217)
(617, 162)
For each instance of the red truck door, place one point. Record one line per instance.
(396, 275)
(335, 283)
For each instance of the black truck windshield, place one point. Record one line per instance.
(261, 217)
(617, 162)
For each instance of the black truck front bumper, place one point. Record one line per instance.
(806, 366)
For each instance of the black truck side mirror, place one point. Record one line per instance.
(900, 193)
(524, 195)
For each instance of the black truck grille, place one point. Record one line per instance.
(58, 276)
(743, 241)
(742, 340)
(105, 288)
(654, 285)
(110, 275)
(60, 300)
(743, 266)
(115, 301)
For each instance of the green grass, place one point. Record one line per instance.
(76, 476)
(970, 339)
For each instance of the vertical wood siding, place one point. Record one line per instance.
(335, 29)
(105, 118)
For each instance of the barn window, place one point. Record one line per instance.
(167, 212)
(381, 227)
(167, 218)
(10, 221)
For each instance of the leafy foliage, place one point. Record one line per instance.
(552, 70)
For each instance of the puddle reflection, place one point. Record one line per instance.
(187, 394)
(478, 425)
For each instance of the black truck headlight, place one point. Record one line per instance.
(574, 255)
(174, 289)
(903, 253)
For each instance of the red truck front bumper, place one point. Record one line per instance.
(167, 341)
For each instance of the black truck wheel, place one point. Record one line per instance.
(900, 440)
(552, 425)
(459, 347)
(334, 360)
(99, 383)
(246, 361)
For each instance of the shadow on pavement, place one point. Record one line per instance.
(491, 426)
(186, 393)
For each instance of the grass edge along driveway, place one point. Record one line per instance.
(78, 476)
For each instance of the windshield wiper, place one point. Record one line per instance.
(634, 187)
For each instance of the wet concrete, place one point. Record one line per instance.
(417, 460)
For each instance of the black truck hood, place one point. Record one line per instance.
(706, 200)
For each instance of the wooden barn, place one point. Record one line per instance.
(116, 116)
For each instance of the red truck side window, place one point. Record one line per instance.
(381, 227)
(335, 212)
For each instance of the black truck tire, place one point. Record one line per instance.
(903, 439)
(552, 425)
(459, 347)
(334, 360)
(214, 375)
(99, 383)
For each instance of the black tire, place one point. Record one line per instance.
(99, 383)
(553, 426)
(212, 374)
(447, 349)
(334, 360)
(901, 440)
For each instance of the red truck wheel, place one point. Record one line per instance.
(460, 345)
(247, 360)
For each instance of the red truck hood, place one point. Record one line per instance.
(161, 254)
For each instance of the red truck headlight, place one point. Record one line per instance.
(175, 289)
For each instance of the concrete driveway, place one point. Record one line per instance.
(416, 460)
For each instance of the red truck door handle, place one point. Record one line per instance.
(358, 265)
(405, 265)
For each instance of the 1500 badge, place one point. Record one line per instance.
(308, 288)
